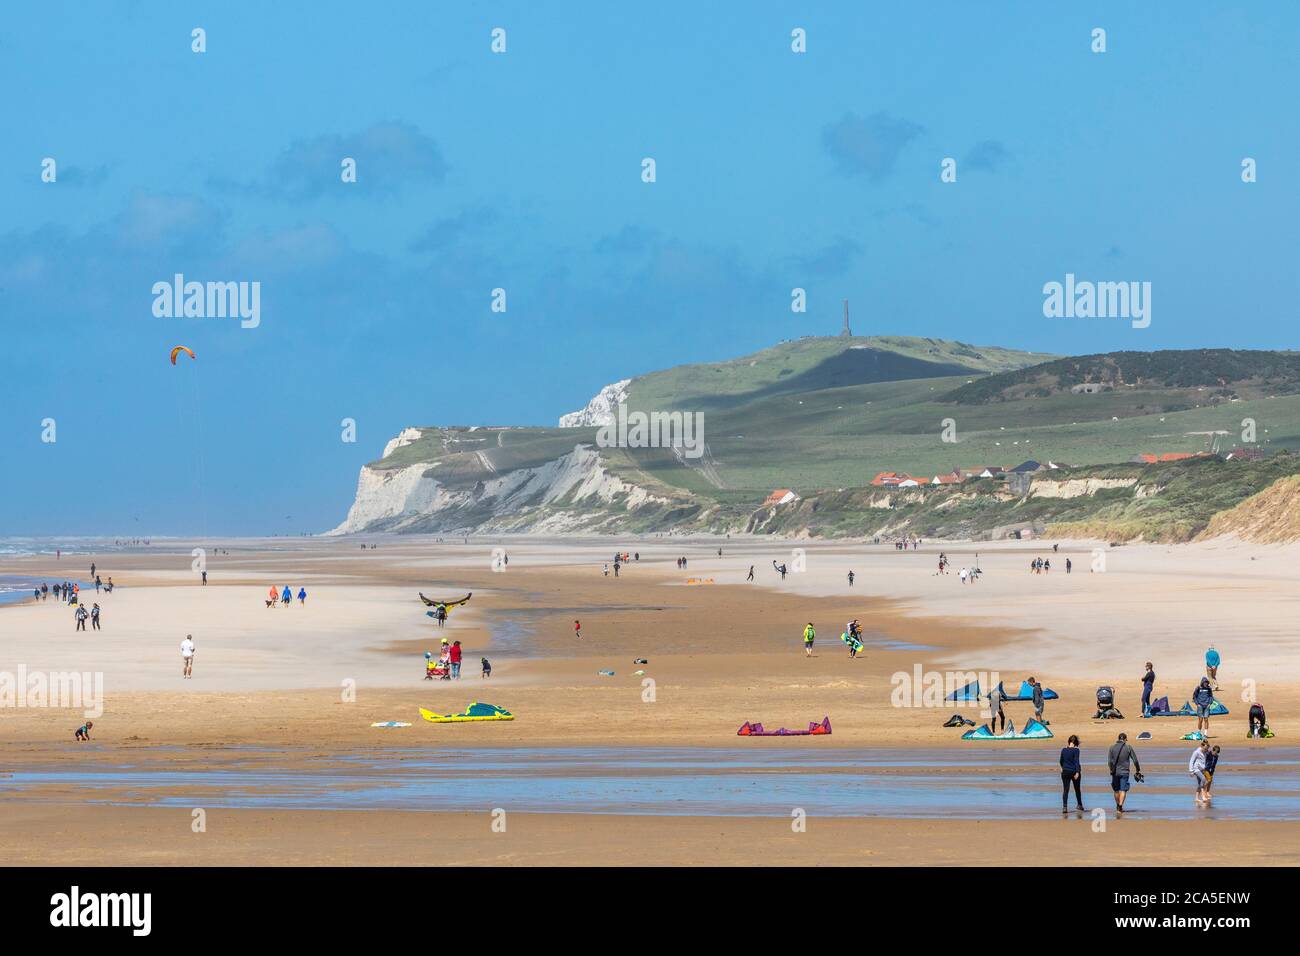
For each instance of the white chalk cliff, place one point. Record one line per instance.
(601, 410)
(572, 492)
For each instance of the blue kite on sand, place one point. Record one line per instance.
(971, 692)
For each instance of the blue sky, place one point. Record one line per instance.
(523, 171)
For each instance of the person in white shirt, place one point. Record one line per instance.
(962, 574)
(1196, 767)
(187, 654)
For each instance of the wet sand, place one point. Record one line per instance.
(109, 836)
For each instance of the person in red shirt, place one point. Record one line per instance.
(455, 660)
(577, 629)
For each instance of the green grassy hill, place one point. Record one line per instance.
(823, 415)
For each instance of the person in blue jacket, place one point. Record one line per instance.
(286, 596)
(1071, 773)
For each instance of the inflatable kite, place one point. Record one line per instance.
(814, 730)
(1161, 709)
(179, 349)
(972, 692)
(1033, 731)
(1027, 693)
(475, 711)
(428, 602)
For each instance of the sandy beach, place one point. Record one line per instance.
(301, 682)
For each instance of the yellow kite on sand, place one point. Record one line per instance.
(474, 711)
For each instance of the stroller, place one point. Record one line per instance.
(438, 669)
(1106, 709)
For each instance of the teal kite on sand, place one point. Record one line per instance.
(1034, 730)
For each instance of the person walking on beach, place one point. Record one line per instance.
(187, 656)
(1039, 703)
(606, 569)
(1071, 773)
(302, 596)
(1117, 760)
(751, 573)
(94, 618)
(577, 629)
(1148, 682)
(203, 573)
(851, 576)
(996, 712)
(487, 667)
(809, 635)
(275, 597)
(1203, 700)
(81, 615)
(1211, 762)
(1068, 565)
(1212, 665)
(1196, 769)
(455, 660)
(286, 598)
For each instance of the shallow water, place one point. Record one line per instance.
(993, 782)
(17, 588)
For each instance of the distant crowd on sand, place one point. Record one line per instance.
(622, 557)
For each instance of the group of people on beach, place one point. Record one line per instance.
(68, 593)
(280, 598)
(1122, 763)
(447, 664)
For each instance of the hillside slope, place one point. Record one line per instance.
(823, 416)
(1270, 517)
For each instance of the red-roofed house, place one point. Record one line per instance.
(893, 479)
(779, 497)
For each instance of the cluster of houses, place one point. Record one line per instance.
(900, 479)
(1017, 477)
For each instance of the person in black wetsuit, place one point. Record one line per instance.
(1258, 725)
(1071, 773)
(1148, 682)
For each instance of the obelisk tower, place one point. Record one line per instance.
(847, 333)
